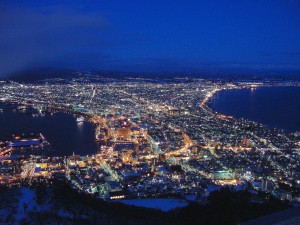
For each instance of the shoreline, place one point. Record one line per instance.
(207, 105)
(50, 113)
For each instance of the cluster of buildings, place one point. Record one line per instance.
(158, 139)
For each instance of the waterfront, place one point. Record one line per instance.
(161, 140)
(277, 107)
(60, 129)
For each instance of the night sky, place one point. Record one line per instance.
(151, 36)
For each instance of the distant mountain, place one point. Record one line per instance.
(36, 74)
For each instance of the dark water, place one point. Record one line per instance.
(61, 130)
(277, 107)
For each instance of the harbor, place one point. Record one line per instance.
(61, 130)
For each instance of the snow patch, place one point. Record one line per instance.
(26, 203)
(164, 204)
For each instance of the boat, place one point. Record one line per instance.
(80, 119)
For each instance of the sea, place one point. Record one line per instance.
(61, 130)
(274, 107)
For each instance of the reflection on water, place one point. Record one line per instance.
(80, 127)
(61, 130)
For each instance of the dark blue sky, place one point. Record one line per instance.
(151, 36)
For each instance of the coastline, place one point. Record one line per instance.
(58, 137)
(208, 105)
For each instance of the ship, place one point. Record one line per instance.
(80, 119)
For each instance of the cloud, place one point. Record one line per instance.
(37, 37)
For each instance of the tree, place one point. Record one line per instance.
(25, 206)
